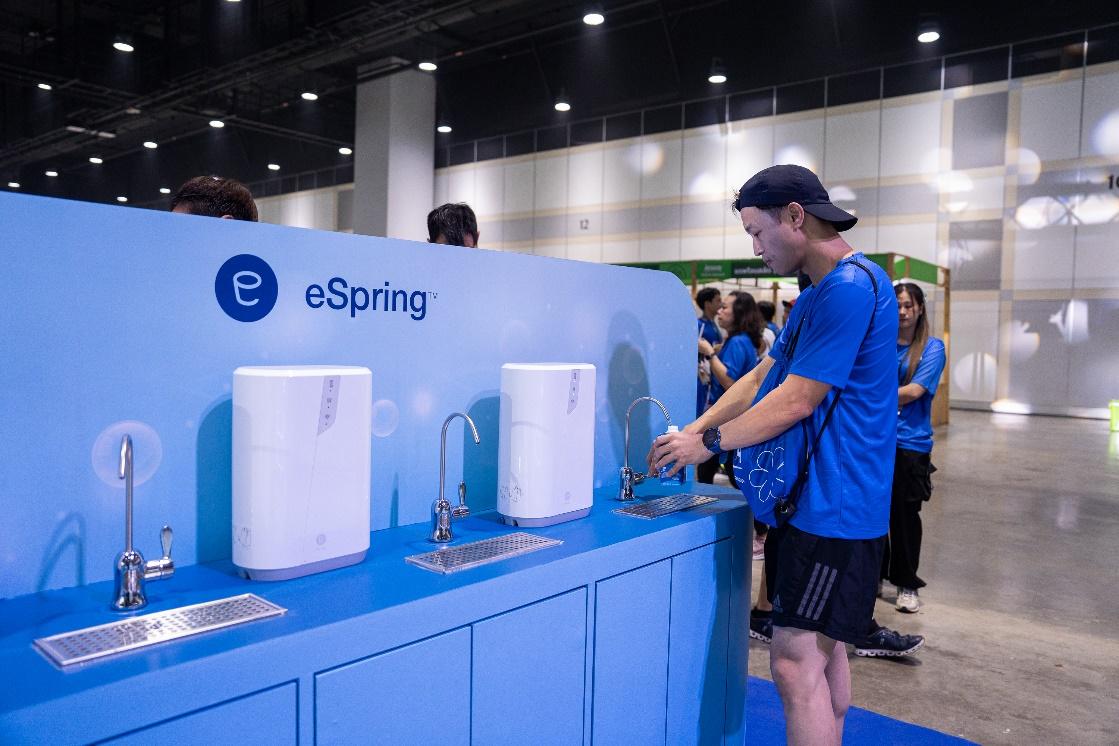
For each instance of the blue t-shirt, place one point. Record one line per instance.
(774, 328)
(850, 477)
(707, 330)
(915, 431)
(740, 357)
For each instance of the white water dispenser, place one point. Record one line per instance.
(301, 460)
(545, 457)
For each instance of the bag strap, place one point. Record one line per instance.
(784, 509)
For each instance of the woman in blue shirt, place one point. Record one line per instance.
(920, 363)
(743, 322)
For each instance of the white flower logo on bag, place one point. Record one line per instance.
(766, 477)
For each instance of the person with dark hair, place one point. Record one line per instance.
(834, 381)
(708, 300)
(453, 224)
(739, 316)
(920, 363)
(769, 313)
(215, 197)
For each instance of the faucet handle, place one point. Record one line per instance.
(164, 567)
(461, 510)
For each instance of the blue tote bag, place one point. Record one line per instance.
(772, 474)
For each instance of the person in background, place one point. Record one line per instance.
(454, 224)
(769, 313)
(708, 301)
(215, 197)
(744, 325)
(769, 337)
(920, 363)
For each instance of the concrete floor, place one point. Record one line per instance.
(1021, 615)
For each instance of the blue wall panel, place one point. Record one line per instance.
(111, 324)
(267, 717)
(631, 656)
(528, 674)
(700, 633)
(419, 693)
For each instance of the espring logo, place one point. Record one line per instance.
(246, 288)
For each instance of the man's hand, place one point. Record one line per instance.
(678, 449)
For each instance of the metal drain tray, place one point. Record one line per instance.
(465, 556)
(137, 632)
(665, 505)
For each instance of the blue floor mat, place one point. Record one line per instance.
(766, 723)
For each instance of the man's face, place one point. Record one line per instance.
(467, 240)
(711, 307)
(773, 239)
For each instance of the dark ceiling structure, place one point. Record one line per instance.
(501, 65)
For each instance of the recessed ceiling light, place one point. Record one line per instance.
(13, 184)
(308, 96)
(45, 86)
(273, 166)
(717, 78)
(593, 18)
(122, 199)
(122, 46)
(428, 67)
(928, 37)
(928, 28)
(95, 160)
(718, 73)
(164, 190)
(131, 110)
(50, 173)
(563, 106)
(151, 144)
(443, 129)
(345, 151)
(217, 123)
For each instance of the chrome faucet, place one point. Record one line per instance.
(628, 477)
(131, 570)
(441, 511)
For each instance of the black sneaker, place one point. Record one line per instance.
(883, 642)
(761, 625)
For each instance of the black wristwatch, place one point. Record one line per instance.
(711, 439)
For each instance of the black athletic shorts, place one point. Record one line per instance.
(822, 584)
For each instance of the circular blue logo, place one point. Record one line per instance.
(246, 287)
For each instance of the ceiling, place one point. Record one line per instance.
(501, 65)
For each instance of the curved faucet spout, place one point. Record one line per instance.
(664, 411)
(443, 444)
(124, 471)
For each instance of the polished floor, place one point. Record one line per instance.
(1021, 614)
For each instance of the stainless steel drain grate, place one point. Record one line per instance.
(665, 505)
(128, 634)
(453, 559)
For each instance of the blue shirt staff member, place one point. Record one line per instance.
(829, 555)
(709, 300)
(920, 362)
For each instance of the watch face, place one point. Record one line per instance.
(711, 438)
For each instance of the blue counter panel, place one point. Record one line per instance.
(698, 639)
(266, 717)
(344, 617)
(418, 693)
(631, 655)
(528, 674)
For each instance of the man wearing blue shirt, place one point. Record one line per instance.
(708, 300)
(828, 560)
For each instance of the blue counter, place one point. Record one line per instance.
(631, 629)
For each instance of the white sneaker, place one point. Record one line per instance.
(908, 601)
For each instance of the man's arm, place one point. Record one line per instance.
(734, 401)
(786, 405)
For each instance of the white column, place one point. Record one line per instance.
(394, 155)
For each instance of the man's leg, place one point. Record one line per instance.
(799, 661)
(838, 674)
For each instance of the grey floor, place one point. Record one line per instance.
(1021, 614)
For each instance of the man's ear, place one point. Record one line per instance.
(477, 238)
(228, 217)
(796, 214)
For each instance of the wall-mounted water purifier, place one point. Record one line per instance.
(301, 460)
(546, 442)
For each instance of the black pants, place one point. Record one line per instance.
(706, 471)
(912, 486)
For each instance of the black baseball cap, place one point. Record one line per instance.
(777, 186)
